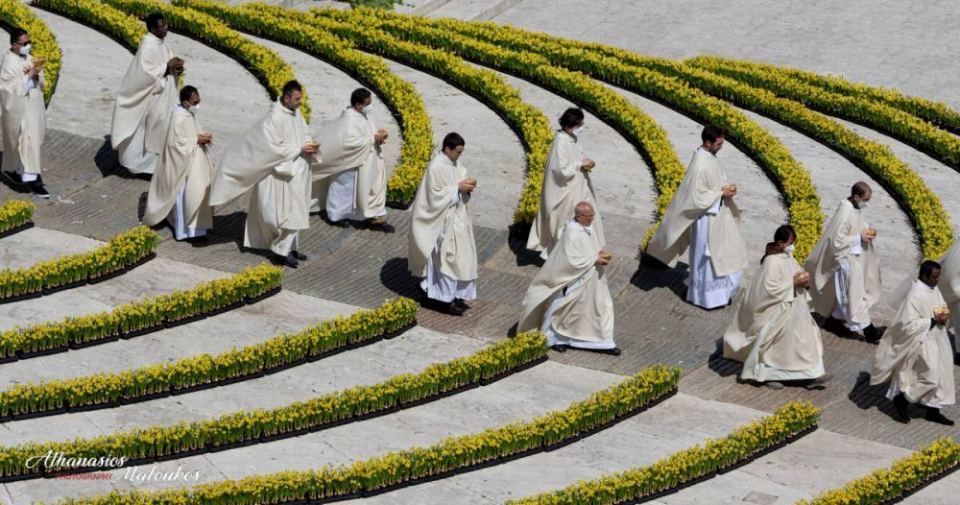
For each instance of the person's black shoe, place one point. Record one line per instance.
(285, 261)
(38, 189)
(340, 224)
(460, 302)
(613, 352)
(455, 310)
(900, 405)
(559, 347)
(201, 239)
(872, 334)
(299, 255)
(14, 179)
(935, 416)
(380, 225)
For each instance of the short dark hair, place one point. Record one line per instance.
(927, 268)
(453, 140)
(16, 33)
(290, 87)
(784, 233)
(153, 20)
(711, 133)
(571, 117)
(860, 189)
(186, 92)
(359, 95)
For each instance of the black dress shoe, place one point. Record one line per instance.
(38, 189)
(380, 225)
(559, 347)
(201, 239)
(873, 333)
(285, 261)
(299, 255)
(613, 352)
(455, 310)
(934, 416)
(900, 406)
(460, 302)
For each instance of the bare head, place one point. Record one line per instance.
(713, 138)
(189, 97)
(860, 194)
(360, 98)
(19, 38)
(571, 119)
(453, 145)
(584, 213)
(157, 24)
(291, 95)
(929, 273)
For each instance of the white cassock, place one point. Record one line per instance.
(24, 116)
(267, 160)
(351, 181)
(144, 102)
(180, 188)
(844, 270)
(569, 300)
(773, 333)
(564, 186)
(915, 358)
(442, 249)
(700, 220)
(950, 284)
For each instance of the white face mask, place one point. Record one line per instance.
(578, 131)
(788, 249)
(368, 109)
(195, 108)
(25, 50)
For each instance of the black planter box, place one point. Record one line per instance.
(16, 229)
(250, 300)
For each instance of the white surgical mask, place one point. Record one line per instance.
(25, 50)
(788, 249)
(863, 205)
(578, 131)
(195, 108)
(368, 109)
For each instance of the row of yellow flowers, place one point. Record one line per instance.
(618, 68)
(937, 113)
(533, 126)
(688, 465)
(904, 477)
(16, 13)
(397, 93)
(120, 252)
(877, 115)
(138, 383)
(453, 454)
(122, 27)
(240, 427)
(14, 213)
(138, 315)
(641, 129)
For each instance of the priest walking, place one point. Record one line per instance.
(147, 96)
(272, 158)
(773, 333)
(846, 270)
(566, 182)
(24, 114)
(569, 300)
(352, 178)
(180, 188)
(950, 286)
(442, 249)
(704, 218)
(914, 354)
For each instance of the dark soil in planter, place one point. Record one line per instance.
(17, 229)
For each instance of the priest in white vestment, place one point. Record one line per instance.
(351, 181)
(442, 249)
(950, 286)
(845, 269)
(569, 300)
(24, 114)
(773, 333)
(273, 159)
(566, 182)
(704, 219)
(180, 188)
(914, 354)
(147, 96)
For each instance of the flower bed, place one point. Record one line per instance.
(905, 477)
(15, 215)
(205, 371)
(121, 27)
(139, 317)
(151, 444)
(409, 467)
(689, 466)
(121, 253)
(16, 13)
(398, 94)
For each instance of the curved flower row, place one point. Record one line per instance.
(529, 122)
(877, 115)
(137, 316)
(789, 175)
(688, 465)
(900, 480)
(365, 326)
(16, 13)
(937, 113)
(397, 93)
(122, 251)
(14, 213)
(641, 129)
(460, 453)
(118, 25)
(400, 391)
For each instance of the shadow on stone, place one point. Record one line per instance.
(648, 278)
(865, 396)
(517, 241)
(720, 365)
(395, 276)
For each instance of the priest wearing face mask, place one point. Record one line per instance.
(180, 188)
(24, 114)
(351, 181)
(845, 269)
(566, 181)
(773, 333)
(703, 217)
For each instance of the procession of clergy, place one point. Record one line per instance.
(288, 175)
